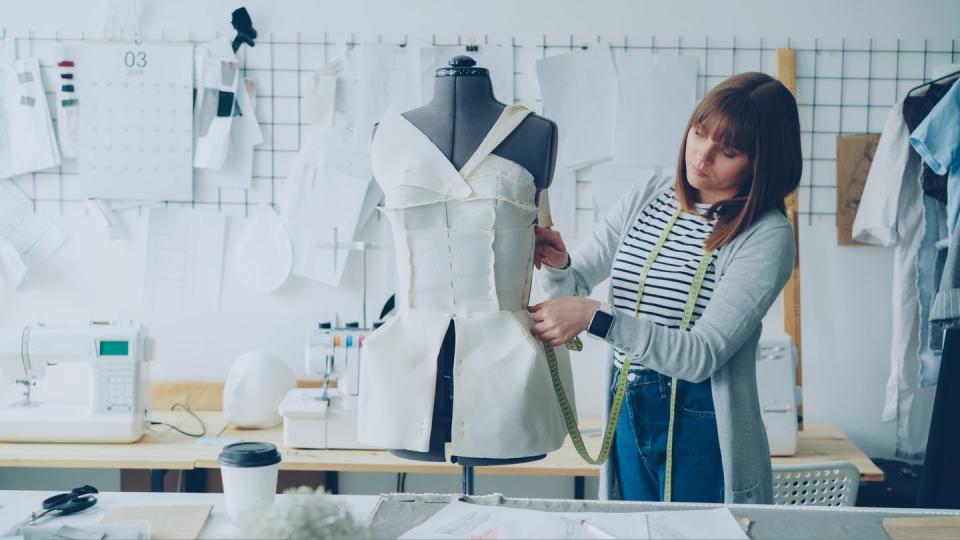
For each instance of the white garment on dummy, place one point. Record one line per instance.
(464, 242)
(891, 214)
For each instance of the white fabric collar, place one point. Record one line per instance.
(404, 155)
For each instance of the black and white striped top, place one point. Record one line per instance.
(671, 276)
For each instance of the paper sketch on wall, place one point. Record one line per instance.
(329, 194)
(27, 239)
(579, 91)
(27, 139)
(264, 256)
(657, 94)
(226, 127)
(184, 264)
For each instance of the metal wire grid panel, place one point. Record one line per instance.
(842, 87)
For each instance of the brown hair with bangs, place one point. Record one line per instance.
(755, 114)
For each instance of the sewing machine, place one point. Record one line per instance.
(779, 393)
(327, 417)
(106, 401)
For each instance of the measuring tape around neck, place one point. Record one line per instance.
(570, 418)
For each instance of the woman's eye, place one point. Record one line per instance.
(730, 152)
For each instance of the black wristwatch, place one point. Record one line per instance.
(601, 322)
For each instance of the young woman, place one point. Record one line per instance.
(695, 263)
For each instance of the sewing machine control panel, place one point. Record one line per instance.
(116, 387)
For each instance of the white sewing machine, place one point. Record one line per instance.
(326, 417)
(108, 401)
(779, 394)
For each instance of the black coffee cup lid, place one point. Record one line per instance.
(249, 454)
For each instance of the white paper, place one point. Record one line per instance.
(657, 94)
(264, 252)
(464, 520)
(610, 182)
(12, 267)
(184, 265)
(136, 126)
(498, 59)
(245, 134)
(319, 99)
(320, 210)
(111, 221)
(579, 91)
(27, 139)
(563, 203)
(387, 82)
(217, 74)
(328, 194)
(34, 236)
(717, 523)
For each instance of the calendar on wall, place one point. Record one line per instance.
(136, 120)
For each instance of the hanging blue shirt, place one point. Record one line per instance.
(937, 140)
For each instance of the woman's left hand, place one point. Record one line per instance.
(562, 319)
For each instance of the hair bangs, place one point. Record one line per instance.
(730, 121)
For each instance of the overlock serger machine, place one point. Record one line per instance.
(109, 403)
(327, 417)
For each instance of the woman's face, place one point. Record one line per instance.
(714, 170)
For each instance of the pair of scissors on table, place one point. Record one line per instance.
(77, 500)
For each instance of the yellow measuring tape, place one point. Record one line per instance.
(570, 418)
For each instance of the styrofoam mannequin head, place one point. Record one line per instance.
(255, 386)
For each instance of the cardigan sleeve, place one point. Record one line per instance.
(751, 282)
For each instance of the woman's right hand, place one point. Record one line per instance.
(550, 249)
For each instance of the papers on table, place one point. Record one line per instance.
(579, 91)
(463, 520)
(27, 140)
(184, 266)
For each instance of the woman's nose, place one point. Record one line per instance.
(704, 155)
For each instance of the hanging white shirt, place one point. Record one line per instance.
(891, 214)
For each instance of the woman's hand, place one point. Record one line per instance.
(557, 321)
(550, 249)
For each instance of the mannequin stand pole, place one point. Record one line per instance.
(468, 480)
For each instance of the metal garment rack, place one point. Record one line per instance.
(842, 88)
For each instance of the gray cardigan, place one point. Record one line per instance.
(721, 345)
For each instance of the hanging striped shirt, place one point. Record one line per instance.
(671, 276)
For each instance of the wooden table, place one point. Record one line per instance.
(163, 449)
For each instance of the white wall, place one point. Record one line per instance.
(846, 308)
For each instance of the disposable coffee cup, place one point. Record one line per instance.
(249, 471)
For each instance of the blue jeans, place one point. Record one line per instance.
(640, 445)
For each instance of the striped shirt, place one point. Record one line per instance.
(671, 276)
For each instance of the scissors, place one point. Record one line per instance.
(64, 504)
